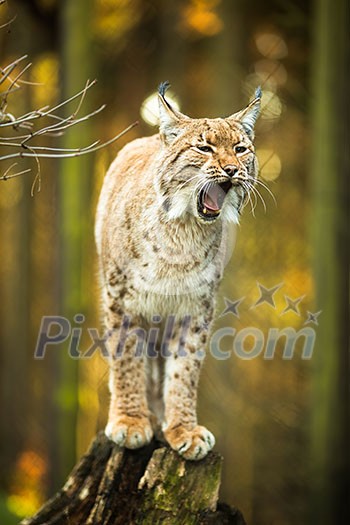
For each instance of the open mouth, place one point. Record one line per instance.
(211, 199)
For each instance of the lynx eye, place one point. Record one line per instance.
(205, 149)
(240, 149)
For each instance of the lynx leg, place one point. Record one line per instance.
(181, 429)
(128, 421)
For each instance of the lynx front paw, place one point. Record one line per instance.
(191, 444)
(129, 432)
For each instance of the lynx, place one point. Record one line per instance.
(162, 223)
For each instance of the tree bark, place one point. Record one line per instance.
(112, 486)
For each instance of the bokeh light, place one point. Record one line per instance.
(271, 71)
(270, 164)
(271, 45)
(150, 110)
(271, 105)
(44, 73)
(200, 17)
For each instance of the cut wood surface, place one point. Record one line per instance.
(112, 486)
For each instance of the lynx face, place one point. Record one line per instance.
(208, 165)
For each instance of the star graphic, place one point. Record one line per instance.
(292, 305)
(312, 317)
(232, 307)
(266, 295)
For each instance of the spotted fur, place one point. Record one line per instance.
(162, 251)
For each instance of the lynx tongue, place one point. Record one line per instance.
(213, 198)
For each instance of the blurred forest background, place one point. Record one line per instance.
(281, 425)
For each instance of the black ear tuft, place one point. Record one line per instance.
(163, 86)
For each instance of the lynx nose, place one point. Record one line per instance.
(231, 170)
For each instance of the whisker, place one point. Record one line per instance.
(197, 175)
(249, 198)
(258, 181)
(185, 183)
(257, 192)
(268, 190)
(253, 195)
(189, 167)
(200, 186)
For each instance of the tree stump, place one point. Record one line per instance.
(151, 485)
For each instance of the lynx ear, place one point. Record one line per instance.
(249, 115)
(169, 118)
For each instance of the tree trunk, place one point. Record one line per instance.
(330, 431)
(74, 265)
(112, 486)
